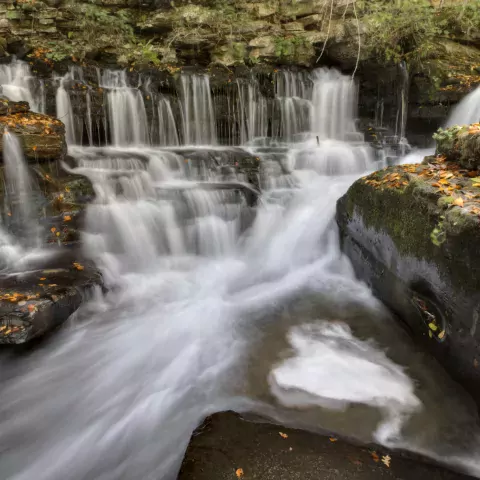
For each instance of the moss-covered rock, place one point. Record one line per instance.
(460, 143)
(412, 232)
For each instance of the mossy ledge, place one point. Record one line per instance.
(413, 234)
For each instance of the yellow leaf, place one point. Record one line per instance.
(433, 327)
(430, 334)
(67, 218)
(239, 472)
(52, 284)
(34, 149)
(43, 278)
(57, 234)
(458, 201)
(333, 439)
(283, 435)
(441, 334)
(386, 460)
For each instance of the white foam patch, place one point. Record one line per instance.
(332, 369)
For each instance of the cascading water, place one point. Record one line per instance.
(465, 113)
(216, 302)
(198, 115)
(18, 84)
(65, 111)
(127, 117)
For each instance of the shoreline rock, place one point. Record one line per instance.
(412, 233)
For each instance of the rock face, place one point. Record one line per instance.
(412, 233)
(34, 304)
(42, 137)
(226, 443)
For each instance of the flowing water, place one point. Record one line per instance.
(217, 301)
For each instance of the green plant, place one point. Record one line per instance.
(288, 46)
(438, 234)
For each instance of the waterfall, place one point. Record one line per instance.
(167, 127)
(467, 111)
(198, 115)
(334, 103)
(293, 94)
(126, 113)
(18, 191)
(18, 84)
(65, 111)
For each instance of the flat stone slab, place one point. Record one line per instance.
(225, 443)
(34, 303)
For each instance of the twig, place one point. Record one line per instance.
(328, 32)
(359, 40)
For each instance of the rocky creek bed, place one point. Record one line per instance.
(228, 447)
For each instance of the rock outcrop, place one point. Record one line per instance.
(412, 233)
(41, 136)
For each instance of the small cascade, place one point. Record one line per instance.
(253, 111)
(65, 111)
(167, 128)
(467, 111)
(198, 115)
(293, 106)
(18, 192)
(334, 102)
(126, 113)
(402, 110)
(18, 84)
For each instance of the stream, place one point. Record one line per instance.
(217, 302)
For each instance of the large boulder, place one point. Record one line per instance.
(412, 233)
(41, 136)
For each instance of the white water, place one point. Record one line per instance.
(127, 117)
(465, 113)
(198, 116)
(18, 84)
(204, 307)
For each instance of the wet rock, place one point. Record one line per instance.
(226, 443)
(37, 302)
(42, 136)
(412, 233)
(460, 143)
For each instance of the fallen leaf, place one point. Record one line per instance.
(34, 148)
(433, 327)
(239, 472)
(67, 218)
(53, 229)
(333, 439)
(52, 284)
(430, 334)
(441, 334)
(386, 460)
(43, 278)
(22, 303)
(458, 201)
(57, 234)
(283, 435)
(375, 457)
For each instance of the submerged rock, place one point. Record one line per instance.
(412, 233)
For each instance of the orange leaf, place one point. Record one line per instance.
(239, 472)
(67, 218)
(34, 148)
(458, 201)
(53, 229)
(333, 439)
(375, 457)
(283, 435)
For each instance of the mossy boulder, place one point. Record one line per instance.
(460, 143)
(41, 136)
(412, 233)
